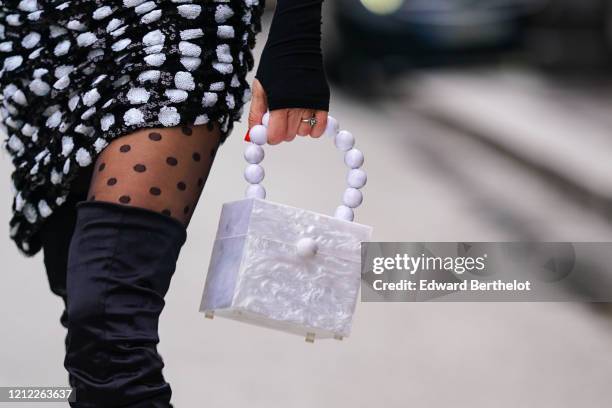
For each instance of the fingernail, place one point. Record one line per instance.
(247, 137)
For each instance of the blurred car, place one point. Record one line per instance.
(377, 39)
(393, 35)
(570, 36)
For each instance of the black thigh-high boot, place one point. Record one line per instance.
(119, 269)
(55, 237)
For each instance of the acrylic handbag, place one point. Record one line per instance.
(287, 268)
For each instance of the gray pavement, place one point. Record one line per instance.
(560, 131)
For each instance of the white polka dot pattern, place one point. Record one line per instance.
(75, 74)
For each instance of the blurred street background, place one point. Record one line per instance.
(480, 120)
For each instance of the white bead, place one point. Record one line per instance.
(258, 135)
(255, 191)
(266, 119)
(332, 127)
(344, 140)
(352, 197)
(357, 178)
(353, 158)
(254, 154)
(254, 173)
(307, 247)
(344, 213)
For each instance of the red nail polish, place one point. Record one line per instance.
(247, 137)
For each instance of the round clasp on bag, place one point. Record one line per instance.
(344, 141)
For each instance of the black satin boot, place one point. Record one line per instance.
(55, 236)
(119, 269)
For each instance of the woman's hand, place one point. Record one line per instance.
(290, 80)
(284, 124)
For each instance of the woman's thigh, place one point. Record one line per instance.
(160, 169)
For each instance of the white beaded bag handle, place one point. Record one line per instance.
(344, 141)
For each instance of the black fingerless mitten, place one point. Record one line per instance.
(291, 67)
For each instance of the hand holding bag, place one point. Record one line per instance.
(288, 268)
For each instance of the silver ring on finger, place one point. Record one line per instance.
(311, 121)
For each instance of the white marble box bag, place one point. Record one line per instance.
(287, 268)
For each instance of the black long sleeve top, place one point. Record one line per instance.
(291, 66)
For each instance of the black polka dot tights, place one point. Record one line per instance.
(162, 170)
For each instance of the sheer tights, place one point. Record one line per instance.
(163, 169)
